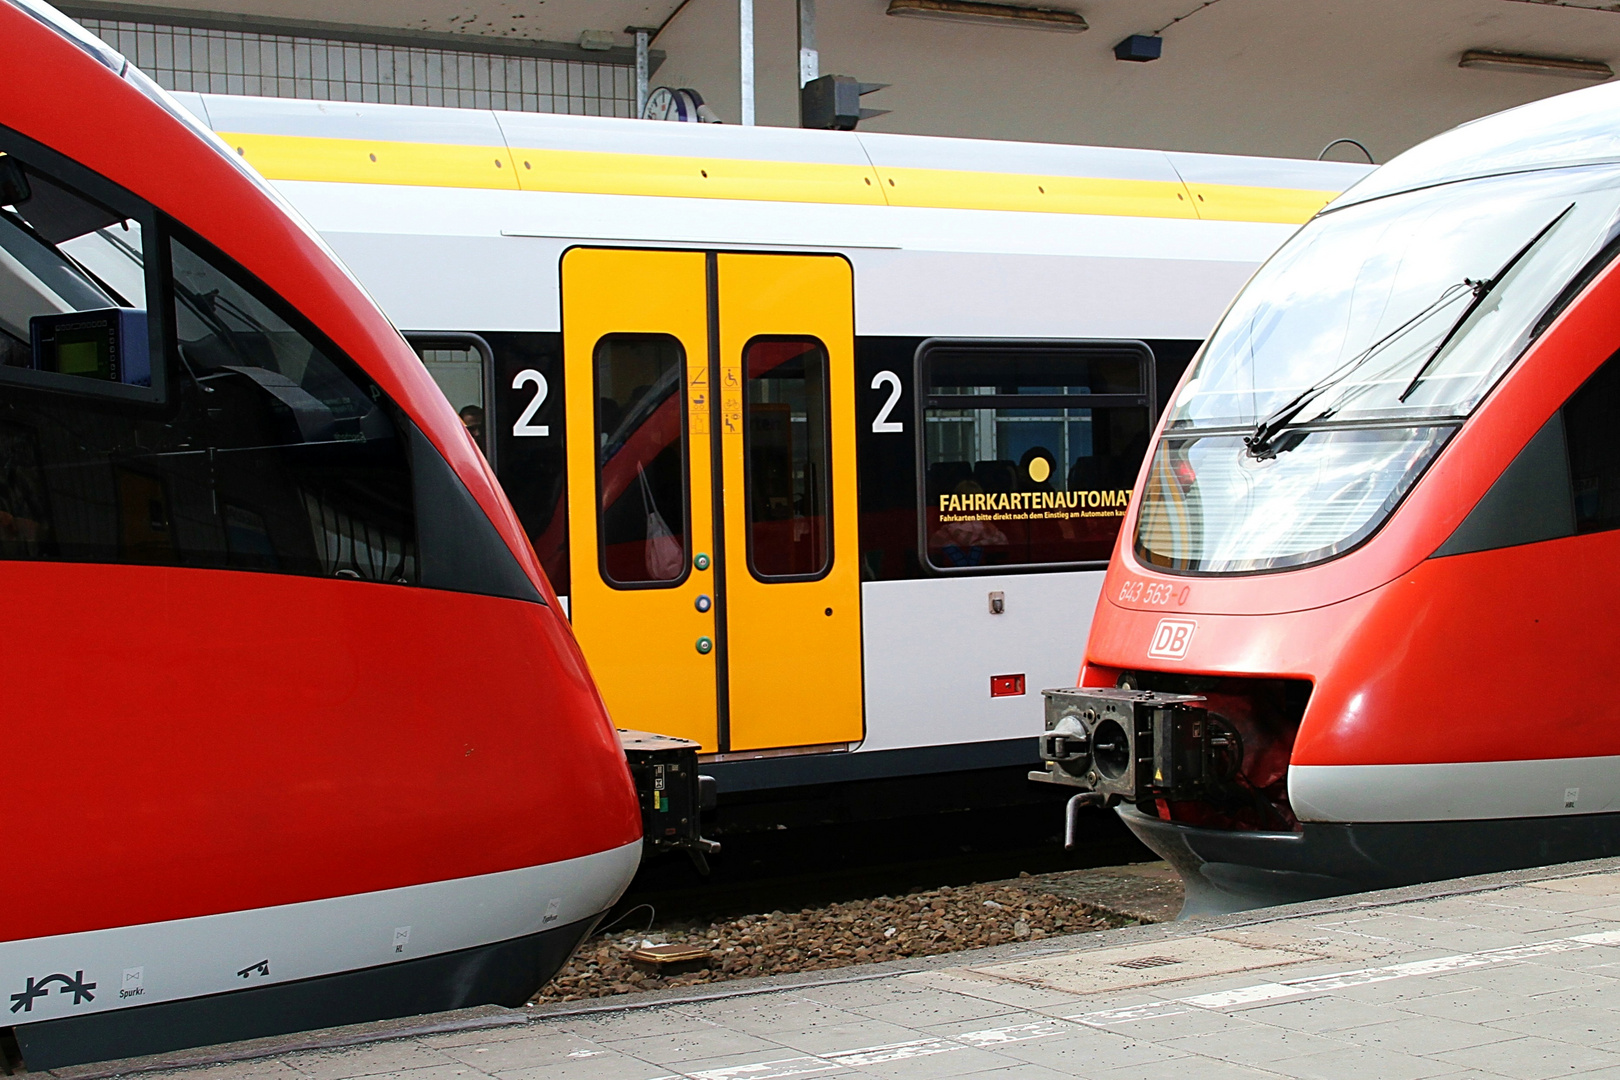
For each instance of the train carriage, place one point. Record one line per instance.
(254, 568)
(824, 438)
(1358, 629)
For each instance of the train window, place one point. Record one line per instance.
(288, 458)
(457, 366)
(1565, 481)
(269, 457)
(787, 462)
(73, 284)
(1591, 418)
(1038, 372)
(641, 460)
(216, 433)
(1030, 451)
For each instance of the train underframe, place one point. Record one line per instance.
(1207, 789)
(1227, 870)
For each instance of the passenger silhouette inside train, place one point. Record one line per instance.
(472, 418)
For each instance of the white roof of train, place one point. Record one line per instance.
(590, 134)
(1578, 128)
(454, 218)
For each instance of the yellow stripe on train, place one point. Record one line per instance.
(368, 161)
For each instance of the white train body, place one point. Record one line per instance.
(460, 222)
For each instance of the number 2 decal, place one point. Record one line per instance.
(523, 427)
(883, 425)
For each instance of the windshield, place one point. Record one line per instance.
(1341, 370)
(1379, 287)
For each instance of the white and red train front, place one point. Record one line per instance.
(1378, 537)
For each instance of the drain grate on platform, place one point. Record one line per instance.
(1149, 963)
(1141, 962)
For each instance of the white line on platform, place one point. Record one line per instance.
(989, 1038)
(1317, 984)
(813, 1065)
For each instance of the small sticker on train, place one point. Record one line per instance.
(402, 938)
(1171, 638)
(134, 982)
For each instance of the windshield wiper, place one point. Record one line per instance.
(1278, 421)
(1261, 443)
(1481, 291)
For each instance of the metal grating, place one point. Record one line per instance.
(264, 64)
(1142, 962)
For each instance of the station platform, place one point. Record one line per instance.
(1507, 975)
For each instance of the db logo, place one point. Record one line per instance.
(1171, 638)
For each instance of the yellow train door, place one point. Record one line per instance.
(786, 434)
(636, 363)
(732, 620)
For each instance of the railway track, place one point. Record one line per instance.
(831, 893)
(886, 838)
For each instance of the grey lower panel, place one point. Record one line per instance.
(760, 774)
(1228, 871)
(505, 973)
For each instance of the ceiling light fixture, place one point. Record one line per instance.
(990, 14)
(1536, 65)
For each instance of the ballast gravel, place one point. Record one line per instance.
(924, 923)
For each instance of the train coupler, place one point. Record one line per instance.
(1136, 746)
(672, 793)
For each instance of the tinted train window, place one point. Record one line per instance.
(787, 459)
(457, 367)
(301, 464)
(73, 285)
(1030, 452)
(232, 439)
(641, 459)
(1591, 418)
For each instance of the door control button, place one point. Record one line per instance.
(704, 603)
(700, 561)
(705, 646)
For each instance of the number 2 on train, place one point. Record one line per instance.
(883, 425)
(526, 377)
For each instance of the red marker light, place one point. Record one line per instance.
(1006, 685)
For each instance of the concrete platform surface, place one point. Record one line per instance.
(1510, 975)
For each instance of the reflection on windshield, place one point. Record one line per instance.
(1351, 358)
(1343, 317)
(1210, 507)
(60, 252)
(1262, 442)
